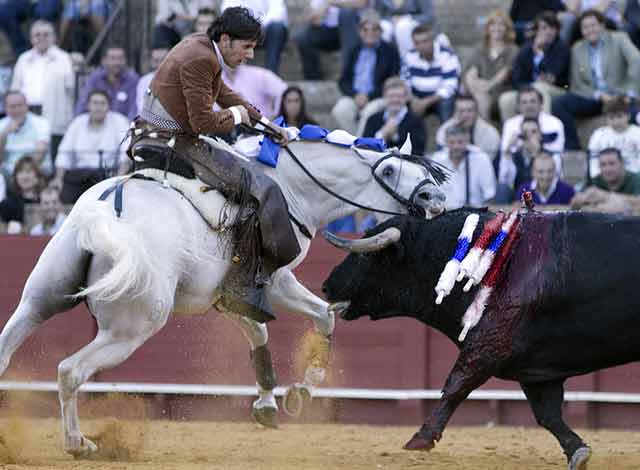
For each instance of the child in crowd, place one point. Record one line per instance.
(618, 133)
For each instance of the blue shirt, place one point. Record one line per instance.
(595, 60)
(24, 141)
(364, 71)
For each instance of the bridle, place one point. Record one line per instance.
(412, 208)
(409, 203)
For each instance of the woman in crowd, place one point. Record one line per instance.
(25, 187)
(489, 70)
(293, 108)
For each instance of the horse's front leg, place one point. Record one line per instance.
(285, 292)
(264, 409)
(462, 380)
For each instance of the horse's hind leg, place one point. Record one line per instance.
(123, 327)
(264, 409)
(59, 273)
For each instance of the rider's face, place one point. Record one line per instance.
(236, 51)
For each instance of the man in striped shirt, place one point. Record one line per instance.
(433, 72)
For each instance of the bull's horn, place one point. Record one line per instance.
(365, 245)
(406, 148)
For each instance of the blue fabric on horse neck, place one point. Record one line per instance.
(313, 132)
(269, 150)
(371, 143)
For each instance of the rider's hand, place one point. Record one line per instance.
(244, 114)
(283, 135)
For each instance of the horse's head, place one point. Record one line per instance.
(328, 181)
(413, 182)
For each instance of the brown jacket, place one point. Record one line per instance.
(189, 82)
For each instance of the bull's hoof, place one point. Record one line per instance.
(267, 416)
(419, 442)
(580, 458)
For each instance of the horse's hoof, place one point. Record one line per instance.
(580, 458)
(267, 416)
(419, 442)
(82, 448)
(296, 400)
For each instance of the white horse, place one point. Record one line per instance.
(161, 257)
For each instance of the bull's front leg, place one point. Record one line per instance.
(462, 380)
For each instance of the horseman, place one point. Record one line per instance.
(178, 107)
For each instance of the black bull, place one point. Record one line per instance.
(567, 303)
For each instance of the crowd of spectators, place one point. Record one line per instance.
(507, 112)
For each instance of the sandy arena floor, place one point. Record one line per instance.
(36, 444)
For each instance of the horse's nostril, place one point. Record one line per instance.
(425, 196)
(324, 288)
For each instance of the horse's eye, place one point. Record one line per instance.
(388, 171)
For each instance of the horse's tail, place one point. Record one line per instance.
(117, 239)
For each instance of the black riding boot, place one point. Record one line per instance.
(243, 292)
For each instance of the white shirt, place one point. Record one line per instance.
(141, 89)
(47, 80)
(551, 127)
(33, 85)
(482, 179)
(628, 142)
(83, 144)
(39, 229)
(438, 76)
(269, 11)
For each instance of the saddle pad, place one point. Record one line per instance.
(210, 204)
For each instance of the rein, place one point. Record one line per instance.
(412, 208)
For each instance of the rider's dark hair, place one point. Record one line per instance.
(238, 23)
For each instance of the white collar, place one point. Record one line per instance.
(48, 54)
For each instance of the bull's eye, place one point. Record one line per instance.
(388, 171)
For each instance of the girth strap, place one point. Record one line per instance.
(118, 187)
